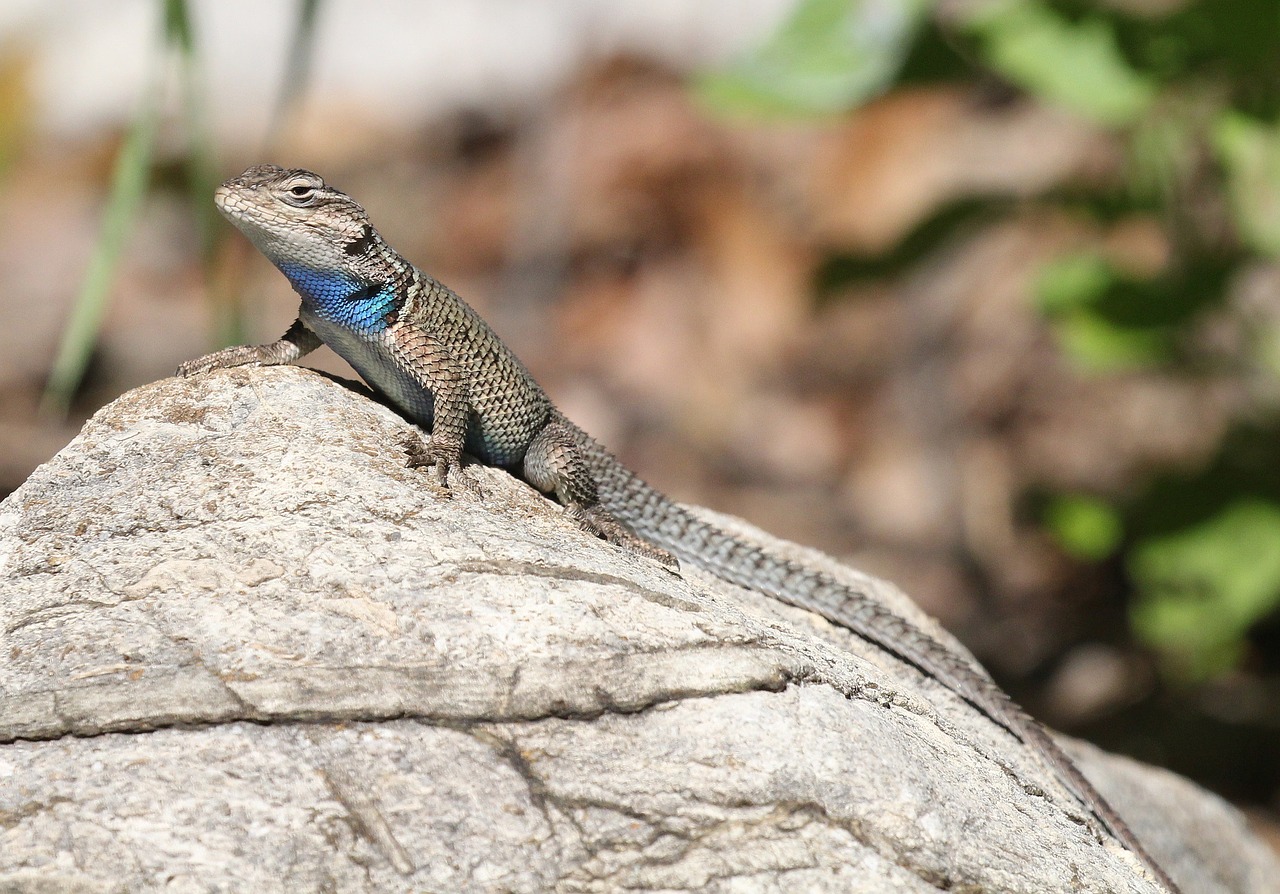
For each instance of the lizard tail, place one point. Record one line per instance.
(664, 523)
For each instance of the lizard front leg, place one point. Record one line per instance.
(554, 464)
(436, 371)
(295, 343)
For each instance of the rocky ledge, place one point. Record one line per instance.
(246, 649)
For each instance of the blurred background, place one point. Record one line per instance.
(981, 295)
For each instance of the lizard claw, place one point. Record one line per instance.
(596, 521)
(418, 451)
(424, 454)
(462, 481)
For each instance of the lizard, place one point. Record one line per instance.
(438, 363)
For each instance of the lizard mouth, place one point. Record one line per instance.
(227, 202)
(222, 198)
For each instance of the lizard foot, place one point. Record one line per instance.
(600, 523)
(422, 453)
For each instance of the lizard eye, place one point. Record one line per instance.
(300, 194)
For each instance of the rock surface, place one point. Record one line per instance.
(246, 649)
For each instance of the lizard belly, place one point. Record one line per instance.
(495, 438)
(370, 355)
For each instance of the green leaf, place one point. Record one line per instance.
(1202, 587)
(177, 24)
(128, 185)
(829, 56)
(1077, 65)
(1078, 293)
(200, 164)
(1250, 153)
(1072, 282)
(297, 70)
(1085, 526)
(1097, 345)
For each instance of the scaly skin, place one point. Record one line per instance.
(432, 356)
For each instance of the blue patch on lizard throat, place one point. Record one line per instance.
(332, 295)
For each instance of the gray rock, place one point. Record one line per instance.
(246, 649)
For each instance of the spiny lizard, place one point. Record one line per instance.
(441, 365)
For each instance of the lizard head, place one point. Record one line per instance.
(295, 219)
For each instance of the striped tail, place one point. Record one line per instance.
(664, 523)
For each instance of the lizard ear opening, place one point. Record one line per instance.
(361, 244)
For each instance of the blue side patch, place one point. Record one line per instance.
(334, 296)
